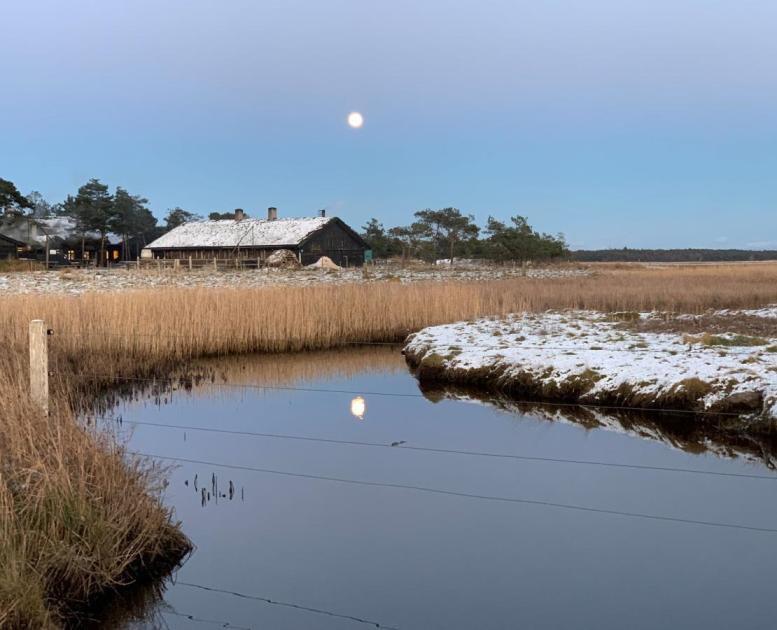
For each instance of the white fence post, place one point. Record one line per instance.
(39, 364)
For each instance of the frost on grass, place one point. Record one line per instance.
(593, 358)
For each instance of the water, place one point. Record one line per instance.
(414, 559)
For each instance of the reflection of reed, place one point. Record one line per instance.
(683, 432)
(206, 376)
(299, 368)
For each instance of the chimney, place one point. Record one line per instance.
(272, 214)
(239, 214)
(322, 213)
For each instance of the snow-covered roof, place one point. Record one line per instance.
(245, 233)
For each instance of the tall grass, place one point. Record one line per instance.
(78, 517)
(111, 332)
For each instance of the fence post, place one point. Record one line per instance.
(39, 364)
(190, 263)
(215, 266)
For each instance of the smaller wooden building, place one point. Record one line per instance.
(10, 247)
(255, 239)
(28, 237)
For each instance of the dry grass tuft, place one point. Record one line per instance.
(77, 517)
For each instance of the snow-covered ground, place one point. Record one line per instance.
(594, 358)
(75, 281)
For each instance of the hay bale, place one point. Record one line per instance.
(325, 262)
(283, 259)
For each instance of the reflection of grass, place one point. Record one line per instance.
(707, 339)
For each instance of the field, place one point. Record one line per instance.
(61, 482)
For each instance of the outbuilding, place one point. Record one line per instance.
(10, 247)
(255, 239)
(29, 238)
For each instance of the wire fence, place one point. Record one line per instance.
(456, 493)
(402, 445)
(287, 604)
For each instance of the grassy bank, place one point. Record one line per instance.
(77, 517)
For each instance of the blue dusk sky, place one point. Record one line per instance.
(618, 122)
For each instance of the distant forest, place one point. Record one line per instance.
(670, 255)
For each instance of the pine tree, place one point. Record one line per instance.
(93, 211)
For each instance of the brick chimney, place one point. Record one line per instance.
(322, 213)
(272, 214)
(239, 214)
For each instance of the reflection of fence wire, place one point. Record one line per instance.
(275, 602)
(467, 495)
(425, 449)
(536, 403)
(195, 619)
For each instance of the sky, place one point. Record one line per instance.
(639, 123)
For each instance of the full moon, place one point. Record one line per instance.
(355, 120)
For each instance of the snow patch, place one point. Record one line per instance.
(555, 348)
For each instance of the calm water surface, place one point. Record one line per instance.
(411, 559)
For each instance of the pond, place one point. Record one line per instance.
(305, 516)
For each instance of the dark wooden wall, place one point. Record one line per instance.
(226, 253)
(337, 243)
(7, 249)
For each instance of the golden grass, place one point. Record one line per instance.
(12, 265)
(77, 517)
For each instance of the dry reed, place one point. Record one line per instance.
(77, 517)
(72, 507)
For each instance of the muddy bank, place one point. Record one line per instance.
(590, 358)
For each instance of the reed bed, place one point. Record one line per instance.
(114, 331)
(78, 517)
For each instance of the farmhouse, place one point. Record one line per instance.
(255, 239)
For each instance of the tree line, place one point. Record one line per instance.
(94, 209)
(626, 254)
(449, 234)
(434, 234)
